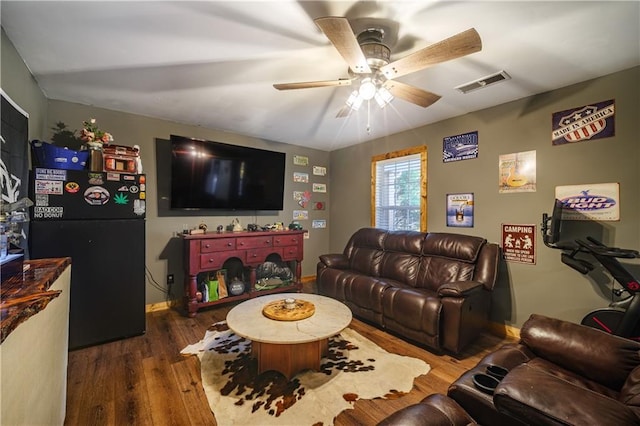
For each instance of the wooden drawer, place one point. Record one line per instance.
(260, 255)
(286, 240)
(215, 260)
(218, 244)
(254, 242)
(289, 253)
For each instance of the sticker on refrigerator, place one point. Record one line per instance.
(51, 174)
(72, 187)
(96, 179)
(52, 187)
(42, 200)
(48, 212)
(96, 196)
(121, 199)
(139, 207)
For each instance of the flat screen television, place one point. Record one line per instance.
(208, 175)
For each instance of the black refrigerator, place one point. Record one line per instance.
(97, 219)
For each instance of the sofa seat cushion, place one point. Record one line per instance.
(570, 377)
(412, 311)
(363, 295)
(541, 398)
(333, 282)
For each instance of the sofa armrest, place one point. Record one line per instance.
(543, 399)
(335, 260)
(459, 288)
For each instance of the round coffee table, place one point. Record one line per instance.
(289, 346)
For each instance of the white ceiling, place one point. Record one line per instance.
(213, 63)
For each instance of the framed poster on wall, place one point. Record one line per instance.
(460, 210)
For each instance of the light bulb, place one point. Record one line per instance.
(367, 89)
(354, 100)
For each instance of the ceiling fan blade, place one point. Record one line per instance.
(340, 34)
(311, 84)
(411, 93)
(345, 111)
(456, 46)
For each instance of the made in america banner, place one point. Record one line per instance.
(589, 122)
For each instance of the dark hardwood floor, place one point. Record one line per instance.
(145, 381)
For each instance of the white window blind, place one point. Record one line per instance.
(398, 193)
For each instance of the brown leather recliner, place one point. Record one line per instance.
(432, 288)
(578, 376)
(560, 373)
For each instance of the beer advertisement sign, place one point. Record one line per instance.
(596, 201)
(460, 210)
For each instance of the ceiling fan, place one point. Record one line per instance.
(368, 59)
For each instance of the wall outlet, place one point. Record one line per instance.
(170, 279)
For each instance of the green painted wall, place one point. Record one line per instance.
(549, 287)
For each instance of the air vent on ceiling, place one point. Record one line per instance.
(483, 82)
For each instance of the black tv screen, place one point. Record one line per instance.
(217, 176)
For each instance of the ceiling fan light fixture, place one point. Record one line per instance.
(383, 97)
(354, 101)
(367, 89)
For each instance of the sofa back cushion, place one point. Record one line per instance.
(424, 260)
(401, 257)
(594, 354)
(448, 258)
(364, 251)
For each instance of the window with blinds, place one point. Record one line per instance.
(399, 188)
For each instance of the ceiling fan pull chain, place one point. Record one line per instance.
(369, 117)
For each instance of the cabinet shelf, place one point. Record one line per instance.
(210, 251)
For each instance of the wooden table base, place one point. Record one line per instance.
(289, 359)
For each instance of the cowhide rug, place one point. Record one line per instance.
(355, 368)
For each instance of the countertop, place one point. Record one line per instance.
(26, 294)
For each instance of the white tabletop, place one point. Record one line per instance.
(330, 318)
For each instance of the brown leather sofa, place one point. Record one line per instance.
(432, 288)
(560, 373)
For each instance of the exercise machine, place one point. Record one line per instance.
(621, 317)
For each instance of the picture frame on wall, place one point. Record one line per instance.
(460, 210)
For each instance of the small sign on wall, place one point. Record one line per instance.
(518, 243)
(584, 123)
(517, 172)
(300, 160)
(460, 210)
(460, 147)
(301, 177)
(595, 201)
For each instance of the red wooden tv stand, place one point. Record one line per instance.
(208, 252)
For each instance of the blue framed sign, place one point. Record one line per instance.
(460, 147)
